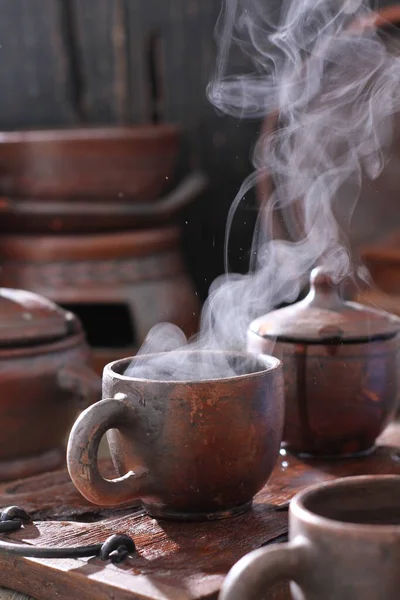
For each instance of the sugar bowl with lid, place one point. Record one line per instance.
(340, 363)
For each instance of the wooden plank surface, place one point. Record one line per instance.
(11, 595)
(174, 561)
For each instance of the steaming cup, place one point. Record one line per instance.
(344, 545)
(188, 450)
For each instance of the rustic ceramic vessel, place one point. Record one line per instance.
(44, 382)
(340, 367)
(137, 162)
(190, 450)
(344, 545)
(96, 215)
(139, 274)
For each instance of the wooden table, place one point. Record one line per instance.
(174, 561)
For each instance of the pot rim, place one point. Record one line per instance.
(271, 363)
(59, 345)
(323, 341)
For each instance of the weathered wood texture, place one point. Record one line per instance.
(66, 62)
(34, 65)
(146, 60)
(99, 34)
(6, 594)
(174, 561)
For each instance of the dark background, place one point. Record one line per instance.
(71, 62)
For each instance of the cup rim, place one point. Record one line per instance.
(271, 363)
(303, 514)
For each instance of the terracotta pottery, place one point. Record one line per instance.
(45, 381)
(139, 274)
(136, 162)
(95, 215)
(344, 545)
(340, 363)
(190, 450)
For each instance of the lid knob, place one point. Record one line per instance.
(324, 292)
(324, 317)
(320, 279)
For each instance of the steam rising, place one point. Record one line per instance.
(335, 87)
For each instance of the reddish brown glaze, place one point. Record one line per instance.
(340, 367)
(192, 449)
(42, 388)
(86, 215)
(136, 162)
(44, 381)
(141, 270)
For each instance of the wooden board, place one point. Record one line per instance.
(174, 561)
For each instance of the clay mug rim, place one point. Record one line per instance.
(299, 509)
(254, 573)
(271, 363)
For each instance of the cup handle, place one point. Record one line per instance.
(253, 574)
(82, 455)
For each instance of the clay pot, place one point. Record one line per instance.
(141, 272)
(136, 162)
(95, 215)
(340, 363)
(44, 382)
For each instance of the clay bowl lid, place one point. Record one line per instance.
(27, 318)
(324, 317)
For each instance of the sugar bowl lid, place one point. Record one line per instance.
(323, 316)
(27, 318)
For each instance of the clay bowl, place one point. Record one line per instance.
(132, 162)
(95, 215)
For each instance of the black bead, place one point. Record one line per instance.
(117, 545)
(12, 513)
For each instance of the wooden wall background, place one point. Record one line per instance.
(80, 62)
(72, 62)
